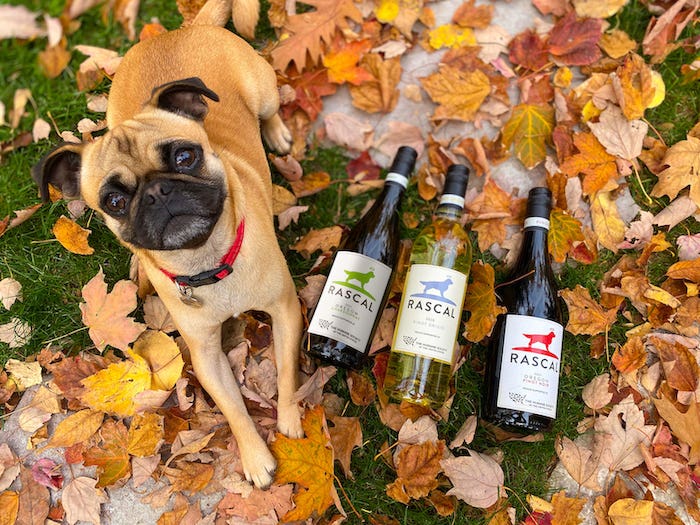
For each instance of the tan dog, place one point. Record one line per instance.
(185, 185)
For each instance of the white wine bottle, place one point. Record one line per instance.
(423, 348)
(350, 305)
(524, 356)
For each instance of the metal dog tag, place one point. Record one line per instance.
(187, 297)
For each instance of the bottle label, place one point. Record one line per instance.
(430, 313)
(529, 379)
(397, 178)
(539, 222)
(350, 300)
(455, 200)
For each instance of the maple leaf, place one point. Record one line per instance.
(480, 302)
(621, 137)
(111, 456)
(380, 94)
(105, 313)
(684, 423)
(579, 462)
(594, 162)
(528, 50)
(417, 467)
(477, 479)
(585, 315)
(683, 160)
(306, 33)
(575, 42)
(566, 510)
(113, 389)
(343, 64)
(529, 129)
(81, 500)
(564, 231)
(459, 94)
(309, 89)
(494, 205)
(308, 462)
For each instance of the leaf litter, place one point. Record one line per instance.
(591, 137)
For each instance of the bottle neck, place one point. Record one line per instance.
(450, 207)
(534, 250)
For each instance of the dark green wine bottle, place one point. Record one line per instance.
(524, 356)
(348, 311)
(422, 351)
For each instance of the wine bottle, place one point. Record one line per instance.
(349, 308)
(423, 348)
(524, 356)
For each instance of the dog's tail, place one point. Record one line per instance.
(245, 14)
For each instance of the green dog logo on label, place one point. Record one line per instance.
(362, 278)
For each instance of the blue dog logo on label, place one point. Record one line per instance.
(440, 286)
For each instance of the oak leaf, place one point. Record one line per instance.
(105, 313)
(529, 129)
(380, 94)
(564, 231)
(480, 302)
(76, 428)
(585, 315)
(683, 160)
(81, 500)
(459, 94)
(417, 467)
(111, 456)
(574, 42)
(308, 462)
(477, 479)
(113, 389)
(306, 33)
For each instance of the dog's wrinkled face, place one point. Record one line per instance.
(155, 179)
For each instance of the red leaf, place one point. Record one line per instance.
(575, 42)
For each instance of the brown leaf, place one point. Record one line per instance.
(54, 59)
(33, 500)
(362, 391)
(111, 456)
(9, 503)
(574, 42)
(346, 434)
(417, 467)
(81, 500)
(379, 95)
(310, 183)
(685, 425)
(477, 479)
(323, 239)
(189, 476)
(680, 366)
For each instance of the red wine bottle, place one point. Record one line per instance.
(524, 356)
(349, 308)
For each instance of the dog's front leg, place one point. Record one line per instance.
(214, 373)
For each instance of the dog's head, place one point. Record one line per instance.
(154, 178)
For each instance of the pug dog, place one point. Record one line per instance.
(181, 177)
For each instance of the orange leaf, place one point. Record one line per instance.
(145, 434)
(566, 510)
(111, 457)
(684, 425)
(72, 236)
(529, 129)
(564, 230)
(105, 314)
(381, 93)
(9, 503)
(323, 239)
(594, 162)
(585, 315)
(307, 462)
(494, 205)
(310, 184)
(342, 64)
(459, 94)
(686, 270)
(680, 366)
(417, 467)
(634, 86)
(54, 59)
(190, 476)
(480, 302)
(76, 428)
(346, 434)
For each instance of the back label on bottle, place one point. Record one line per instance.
(350, 300)
(529, 379)
(431, 311)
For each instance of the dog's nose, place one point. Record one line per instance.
(158, 189)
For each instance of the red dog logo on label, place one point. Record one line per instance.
(543, 339)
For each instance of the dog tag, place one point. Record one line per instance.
(187, 297)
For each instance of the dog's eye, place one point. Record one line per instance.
(115, 203)
(185, 158)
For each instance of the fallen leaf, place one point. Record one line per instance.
(685, 425)
(348, 132)
(607, 222)
(105, 313)
(629, 511)
(24, 374)
(480, 302)
(82, 499)
(585, 315)
(566, 510)
(16, 333)
(19, 22)
(346, 434)
(310, 183)
(477, 479)
(598, 8)
(564, 232)
(323, 239)
(459, 94)
(380, 94)
(47, 472)
(145, 434)
(574, 42)
(594, 162)
(417, 467)
(163, 357)
(76, 428)
(529, 129)
(308, 462)
(683, 160)
(33, 500)
(466, 432)
(9, 503)
(579, 461)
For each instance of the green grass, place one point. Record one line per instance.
(52, 278)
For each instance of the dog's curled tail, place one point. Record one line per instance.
(245, 14)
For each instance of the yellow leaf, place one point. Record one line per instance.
(145, 434)
(163, 357)
(628, 511)
(72, 236)
(111, 457)
(585, 315)
(308, 462)
(458, 93)
(598, 8)
(9, 503)
(607, 222)
(387, 11)
(683, 160)
(451, 36)
(634, 86)
(530, 129)
(657, 82)
(76, 428)
(480, 302)
(564, 230)
(113, 389)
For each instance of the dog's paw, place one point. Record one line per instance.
(259, 468)
(289, 422)
(276, 134)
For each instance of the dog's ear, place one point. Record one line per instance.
(185, 97)
(60, 168)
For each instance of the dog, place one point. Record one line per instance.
(362, 278)
(181, 178)
(439, 286)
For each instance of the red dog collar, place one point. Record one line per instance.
(215, 275)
